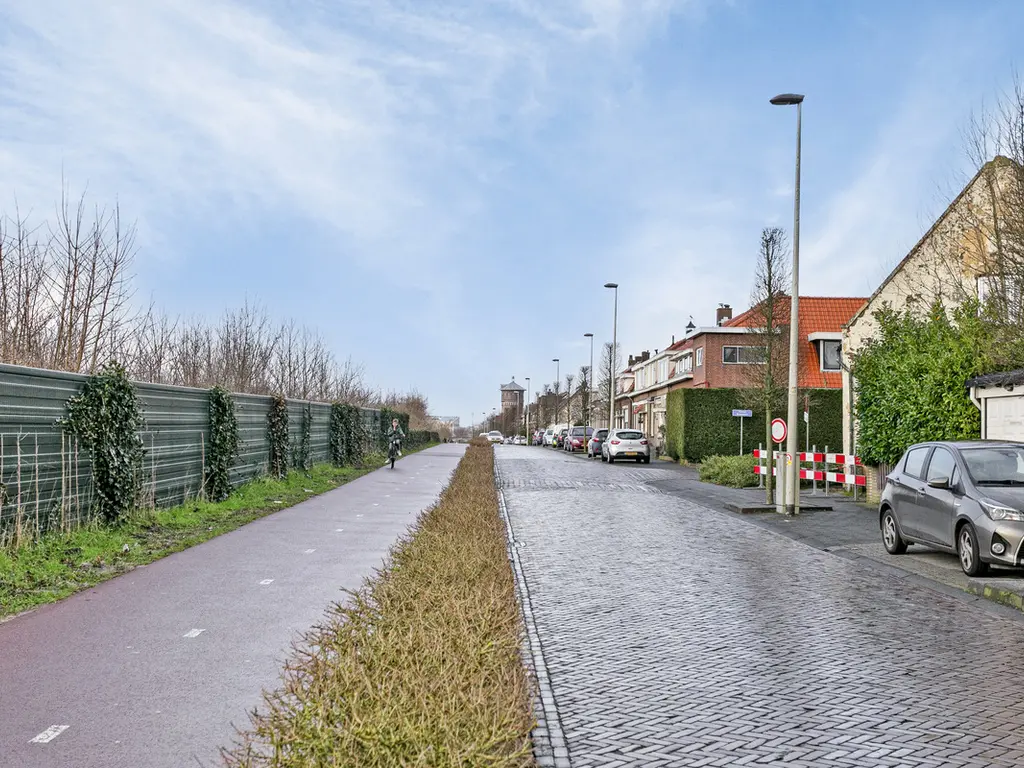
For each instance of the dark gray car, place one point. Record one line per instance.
(961, 497)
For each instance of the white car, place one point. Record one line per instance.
(626, 444)
(495, 436)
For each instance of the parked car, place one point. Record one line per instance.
(549, 436)
(560, 437)
(577, 439)
(538, 437)
(594, 446)
(495, 436)
(626, 444)
(966, 498)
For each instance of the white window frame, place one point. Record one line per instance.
(821, 355)
(699, 357)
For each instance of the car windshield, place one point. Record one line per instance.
(495, 434)
(996, 465)
(578, 431)
(629, 435)
(601, 433)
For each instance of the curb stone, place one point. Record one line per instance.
(549, 745)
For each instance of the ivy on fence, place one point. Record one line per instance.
(106, 418)
(277, 437)
(305, 458)
(347, 434)
(224, 443)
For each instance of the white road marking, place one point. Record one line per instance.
(194, 632)
(266, 581)
(376, 505)
(338, 530)
(361, 515)
(49, 734)
(309, 552)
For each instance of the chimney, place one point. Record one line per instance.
(723, 313)
(645, 356)
(631, 361)
(673, 340)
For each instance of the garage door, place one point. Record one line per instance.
(1005, 418)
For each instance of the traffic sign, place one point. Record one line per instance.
(779, 431)
(742, 414)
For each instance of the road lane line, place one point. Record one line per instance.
(309, 551)
(266, 581)
(49, 734)
(194, 632)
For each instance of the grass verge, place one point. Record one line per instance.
(421, 666)
(59, 565)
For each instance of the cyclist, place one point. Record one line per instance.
(395, 434)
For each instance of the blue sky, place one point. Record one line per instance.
(442, 187)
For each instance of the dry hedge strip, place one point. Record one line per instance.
(421, 667)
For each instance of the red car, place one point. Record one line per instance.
(579, 437)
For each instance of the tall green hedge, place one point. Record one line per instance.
(699, 422)
(911, 379)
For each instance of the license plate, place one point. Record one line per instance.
(631, 453)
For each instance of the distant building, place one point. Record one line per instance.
(511, 406)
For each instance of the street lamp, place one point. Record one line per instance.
(792, 478)
(590, 386)
(557, 374)
(615, 349)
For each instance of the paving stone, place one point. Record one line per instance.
(675, 635)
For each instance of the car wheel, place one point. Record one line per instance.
(647, 460)
(967, 550)
(894, 543)
(611, 459)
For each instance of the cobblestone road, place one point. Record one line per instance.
(674, 635)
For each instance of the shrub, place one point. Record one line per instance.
(910, 380)
(733, 471)
(106, 418)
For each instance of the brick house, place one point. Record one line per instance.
(716, 357)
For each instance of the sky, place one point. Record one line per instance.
(442, 187)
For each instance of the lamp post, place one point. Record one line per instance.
(557, 374)
(793, 470)
(526, 409)
(590, 385)
(615, 349)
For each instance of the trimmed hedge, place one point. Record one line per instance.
(699, 422)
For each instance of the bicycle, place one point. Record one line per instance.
(393, 452)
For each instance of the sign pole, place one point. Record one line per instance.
(741, 435)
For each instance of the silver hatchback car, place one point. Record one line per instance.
(961, 497)
(626, 444)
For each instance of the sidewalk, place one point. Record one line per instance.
(156, 667)
(849, 530)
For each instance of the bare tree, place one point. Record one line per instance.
(767, 378)
(585, 388)
(611, 363)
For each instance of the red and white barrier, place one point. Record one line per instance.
(840, 478)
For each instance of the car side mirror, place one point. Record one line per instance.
(940, 483)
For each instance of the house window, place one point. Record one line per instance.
(700, 357)
(743, 355)
(685, 364)
(831, 355)
(663, 373)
